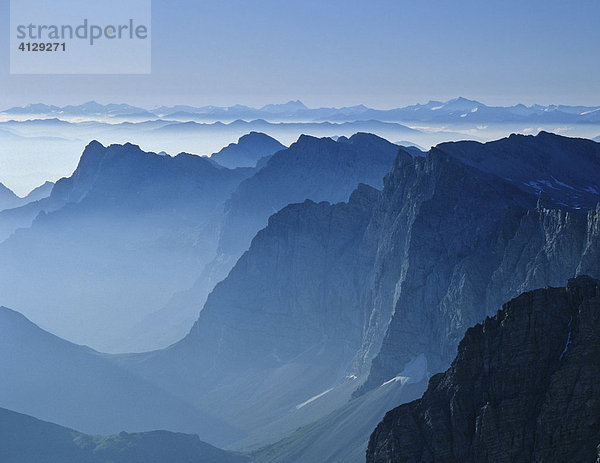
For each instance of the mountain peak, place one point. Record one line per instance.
(248, 150)
(292, 105)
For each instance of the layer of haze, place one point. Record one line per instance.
(379, 53)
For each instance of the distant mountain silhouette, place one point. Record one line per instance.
(55, 380)
(458, 110)
(24, 439)
(9, 200)
(114, 241)
(247, 151)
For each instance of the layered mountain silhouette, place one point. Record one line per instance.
(312, 168)
(331, 296)
(129, 230)
(24, 439)
(9, 200)
(73, 385)
(248, 151)
(114, 241)
(280, 329)
(456, 110)
(523, 387)
(331, 305)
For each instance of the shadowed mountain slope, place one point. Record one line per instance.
(523, 387)
(24, 439)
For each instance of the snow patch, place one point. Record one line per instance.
(474, 110)
(463, 115)
(414, 371)
(437, 107)
(312, 399)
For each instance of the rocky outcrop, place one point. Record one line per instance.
(523, 387)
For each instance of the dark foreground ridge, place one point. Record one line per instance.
(524, 387)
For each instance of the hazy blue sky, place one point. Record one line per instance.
(380, 53)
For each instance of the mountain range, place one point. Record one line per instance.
(442, 235)
(132, 242)
(456, 110)
(113, 241)
(335, 313)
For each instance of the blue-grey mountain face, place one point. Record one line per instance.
(41, 192)
(281, 327)
(52, 379)
(249, 149)
(568, 179)
(18, 212)
(316, 169)
(472, 237)
(312, 168)
(441, 247)
(24, 439)
(523, 387)
(8, 199)
(114, 241)
(380, 288)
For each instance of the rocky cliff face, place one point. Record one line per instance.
(523, 387)
(330, 295)
(457, 238)
(319, 169)
(283, 327)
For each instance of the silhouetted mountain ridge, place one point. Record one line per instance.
(247, 151)
(53, 379)
(523, 387)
